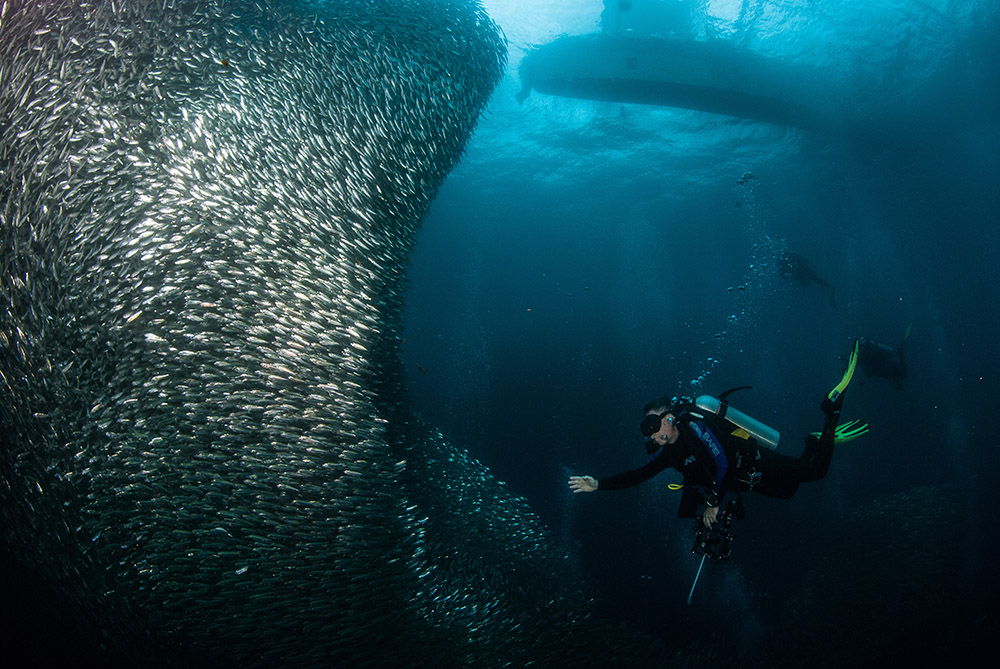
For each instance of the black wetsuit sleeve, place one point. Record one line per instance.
(633, 477)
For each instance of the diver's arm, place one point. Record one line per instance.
(713, 503)
(627, 479)
(634, 477)
(714, 448)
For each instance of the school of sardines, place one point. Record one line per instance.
(207, 213)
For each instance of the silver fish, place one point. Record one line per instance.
(207, 209)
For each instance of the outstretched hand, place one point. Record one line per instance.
(582, 483)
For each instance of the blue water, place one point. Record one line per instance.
(587, 256)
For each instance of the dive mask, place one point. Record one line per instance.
(650, 425)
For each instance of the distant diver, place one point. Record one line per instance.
(796, 268)
(721, 451)
(883, 362)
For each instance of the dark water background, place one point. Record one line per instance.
(588, 256)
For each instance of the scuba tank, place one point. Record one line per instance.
(766, 436)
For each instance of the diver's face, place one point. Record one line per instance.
(668, 432)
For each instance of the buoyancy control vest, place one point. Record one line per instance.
(742, 436)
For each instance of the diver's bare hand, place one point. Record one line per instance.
(582, 483)
(710, 516)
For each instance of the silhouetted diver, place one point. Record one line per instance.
(881, 361)
(796, 268)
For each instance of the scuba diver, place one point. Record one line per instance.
(719, 451)
(880, 361)
(796, 268)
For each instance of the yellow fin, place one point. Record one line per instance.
(839, 389)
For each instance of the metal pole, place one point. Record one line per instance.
(700, 565)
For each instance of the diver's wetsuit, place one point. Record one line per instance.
(779, 475)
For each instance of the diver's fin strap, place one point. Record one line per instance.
(834, 396)
(849, 431)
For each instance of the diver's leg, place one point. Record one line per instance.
(782, 474)
(819, 450)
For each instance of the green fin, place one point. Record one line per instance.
(849, 431)
(839, 389)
